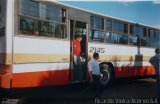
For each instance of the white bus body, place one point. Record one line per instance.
(33, 61)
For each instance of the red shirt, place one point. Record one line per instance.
(77, 48)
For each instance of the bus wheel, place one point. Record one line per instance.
(106, 74)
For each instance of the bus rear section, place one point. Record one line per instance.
(41, 52)
(5, 66)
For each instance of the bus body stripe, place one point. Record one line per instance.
(32, 58)
(61, 77)
(43, 78)
(132, 71)
(37, 57)
(35, 67)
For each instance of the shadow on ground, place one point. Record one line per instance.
(82, 92)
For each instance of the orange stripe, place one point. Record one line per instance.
(5, 76)
(61, 77)
(131, 71)
(43, 78)
(5, 80)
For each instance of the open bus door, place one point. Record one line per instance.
(78, 27)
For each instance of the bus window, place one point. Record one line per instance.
(48, 12)
(96, 35)
(30, 8)
(143, 42)
(144, 32)
(152, 40)
(123, 39)
(51, 29)
(51, 11)
(131, 29)
(97, 22)
(109, 25)
(126, 28)
(157, 35)
(44, 28)
(60, 31)
(120, 27)
(153, 43)
(97, 27)
(133, 40)
(138, 31)
(49, 21)
(29, 26)
(111, 38)
(92, 21)
(2, 17)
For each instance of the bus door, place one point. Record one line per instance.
(78, 65)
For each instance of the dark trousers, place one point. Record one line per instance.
(97, 85)
(158, 86)
(78, 73)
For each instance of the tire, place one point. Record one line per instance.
(107, 74)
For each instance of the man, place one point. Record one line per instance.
(77, 53)
(94, 73)
(155, 61)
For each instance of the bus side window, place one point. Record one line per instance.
(44, 28)
(29, 26)
(153, 38)
(138, 41)
(133, 40)
(123, 39)
(111, 38)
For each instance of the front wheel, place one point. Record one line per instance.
(106, 74)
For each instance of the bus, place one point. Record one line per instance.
(36, 47)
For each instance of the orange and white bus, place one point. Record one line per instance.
(35, 47)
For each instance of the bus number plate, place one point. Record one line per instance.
(98, 50)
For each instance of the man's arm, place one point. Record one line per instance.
(151, 60)
(90, 76)
(90, 72)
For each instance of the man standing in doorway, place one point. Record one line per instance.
(155, 61)
(77, 61)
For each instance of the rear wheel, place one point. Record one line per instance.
(107, 75)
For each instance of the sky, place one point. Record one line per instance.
(146, 12)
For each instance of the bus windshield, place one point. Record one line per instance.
(2, 17)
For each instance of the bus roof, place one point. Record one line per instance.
(92, 12)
